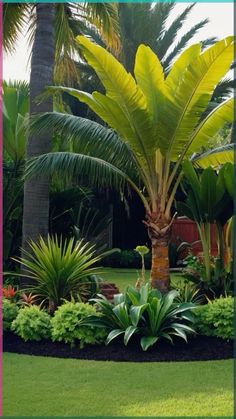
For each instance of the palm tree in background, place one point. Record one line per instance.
(146, 23)
(52, 30)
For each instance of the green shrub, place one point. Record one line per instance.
(66, 328)
(32, 323)
(216, 318)
(146, 313)
(9, 313)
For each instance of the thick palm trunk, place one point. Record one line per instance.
(159, 231)
(160, 276)
(36, 190)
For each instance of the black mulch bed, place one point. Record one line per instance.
(199, 348)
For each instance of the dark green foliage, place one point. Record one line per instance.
(32, 323)
(220, 282)
(129, 258)
(146, 23)
(146, 313)
(66, 328)
(216, 318)
(188, 292)
(126, 259)
(15, 109)
(9, 313)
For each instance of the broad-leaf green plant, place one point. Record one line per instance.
(207, 202)
(144, 312)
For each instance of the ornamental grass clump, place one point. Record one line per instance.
(59, 269)
(66, 325)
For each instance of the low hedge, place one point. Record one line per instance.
(66, 328)
(32, 323)
(216, 318)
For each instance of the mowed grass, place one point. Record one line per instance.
(65, 387)
(124, 277)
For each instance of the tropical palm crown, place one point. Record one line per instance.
(156, 122)
(96, 19)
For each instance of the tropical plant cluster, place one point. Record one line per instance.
(126, 112)
(143, 314)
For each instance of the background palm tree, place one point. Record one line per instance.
(52, 29)
(146, 23)
(36, 190)
(159, 123)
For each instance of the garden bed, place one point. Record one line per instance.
(199, 348)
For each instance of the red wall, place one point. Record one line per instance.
(187, 231)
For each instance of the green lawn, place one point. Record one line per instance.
(66, 387)
(124, 277)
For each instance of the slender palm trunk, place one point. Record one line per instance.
(159, 231)
(36, 190)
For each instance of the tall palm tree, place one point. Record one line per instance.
(146, 23)
(53, 28)
(156, 123)
(70, 20)
(36, 190)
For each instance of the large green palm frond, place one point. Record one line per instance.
(70, 21)
(74, 165)
(15, 16)
(146, 23)
(184, 41)
(88, 137)
(105, 17)
(169, 36)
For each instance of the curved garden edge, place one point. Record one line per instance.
(199, 348)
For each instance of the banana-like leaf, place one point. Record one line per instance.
(216, 157)
(209, 127)
(194, 93)
(149, 74)
(124, 91)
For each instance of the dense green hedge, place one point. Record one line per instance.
(216, 318)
